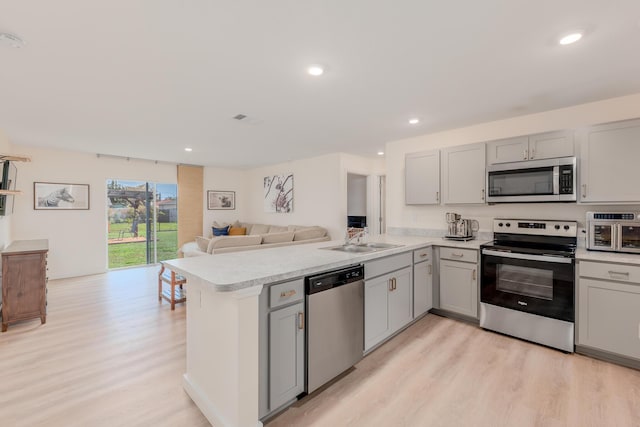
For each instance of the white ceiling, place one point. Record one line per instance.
(147, 78)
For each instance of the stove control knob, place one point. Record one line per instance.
(566, 227)
(508, 224)
(557, 227)
(500, 224)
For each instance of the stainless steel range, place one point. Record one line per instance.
(527, 282)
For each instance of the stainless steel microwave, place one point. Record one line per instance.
(613, 231)
(549, 180)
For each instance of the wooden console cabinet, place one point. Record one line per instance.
(24, 281)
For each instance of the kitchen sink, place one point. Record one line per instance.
(363, 248)
(381, 245)
(352, 248)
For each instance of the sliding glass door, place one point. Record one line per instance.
(142, 222)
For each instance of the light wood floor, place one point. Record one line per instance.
(440, 372)
(111, 355)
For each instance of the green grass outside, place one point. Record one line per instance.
(132, 254)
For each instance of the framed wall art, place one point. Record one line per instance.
(58, 196)
(221, 200)
(278, 193)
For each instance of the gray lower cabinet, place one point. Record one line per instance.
(286, 354)
(281, 344)
(459, 284)
(422, 282)
(387, 305)
(609, 308)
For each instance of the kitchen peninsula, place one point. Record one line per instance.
(223, 322)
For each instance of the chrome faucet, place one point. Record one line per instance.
(359, 237)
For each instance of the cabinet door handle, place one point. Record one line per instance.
(455, 254)
(474, 274)
(429, 268)
(619, 273)
(390, 282)
(300, 320)
(482, 195)
(438, 196)
(423, 255)
(533, 153)
(584, 190)
(524, 154)
(287, 294)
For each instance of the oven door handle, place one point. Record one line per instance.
(528, 257)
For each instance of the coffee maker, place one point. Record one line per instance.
(460, 229)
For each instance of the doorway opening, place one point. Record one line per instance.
(142, 222)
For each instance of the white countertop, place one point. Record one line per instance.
(586, 255)
(239, 270)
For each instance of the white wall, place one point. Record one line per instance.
(225, 180)
(318, 198)
(77, 238)
(5, 221)
(432, 217)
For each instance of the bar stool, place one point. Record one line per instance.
(173, 295)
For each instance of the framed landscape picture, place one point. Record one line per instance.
(57, 196)
(221, 200)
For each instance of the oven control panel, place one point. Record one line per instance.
(537, 227)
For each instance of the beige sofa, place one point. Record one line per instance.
(258, 236)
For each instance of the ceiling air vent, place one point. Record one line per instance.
(11, 40)
(240, 116)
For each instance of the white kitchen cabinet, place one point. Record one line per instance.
(422, 178)
(459, 287)
(609, 308)
(422, 282)
(609, 163)
(286, 354)
(387, 305)
(547, 145)
(463, 174)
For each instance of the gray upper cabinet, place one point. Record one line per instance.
(508, 150)
(609, 162)
(422, 178)
(463, 174)
(551, 145)
(609, 308)
(547, 145)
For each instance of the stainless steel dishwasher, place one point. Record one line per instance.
(335, 324)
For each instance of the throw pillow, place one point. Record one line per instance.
(223, 231)
(310, 233)
(203, 243)
(286, 236)
(260, 229)
(220, 224)
(237, 231)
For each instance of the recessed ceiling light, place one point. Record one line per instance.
(414, 121)
(11, 40)
(188, 149)
(380, 153)
(315, 70)
(570, 38)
